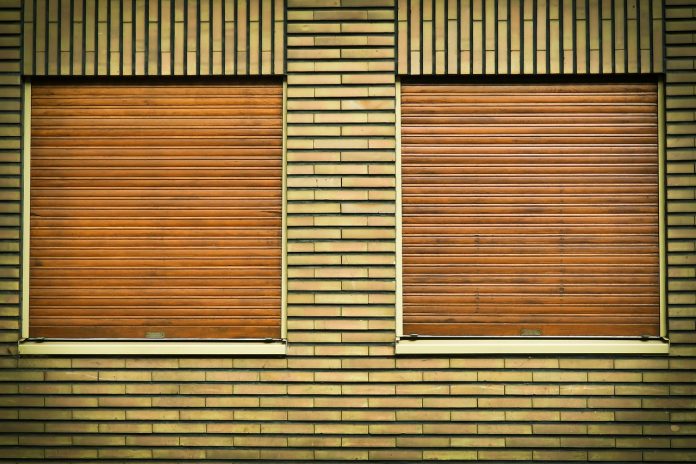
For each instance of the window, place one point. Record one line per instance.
(156, 214)
(530, 211)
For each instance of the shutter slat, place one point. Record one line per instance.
(530, 208)
(156, 208)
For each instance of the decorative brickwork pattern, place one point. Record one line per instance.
(530, 36)
(153, 37)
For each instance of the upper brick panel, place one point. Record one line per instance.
(529, 37)
(157, 37)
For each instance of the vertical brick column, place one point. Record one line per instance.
(681, 170)
(341, 176)
(10, 184)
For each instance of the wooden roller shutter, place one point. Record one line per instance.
(530, 210)
(156, 210)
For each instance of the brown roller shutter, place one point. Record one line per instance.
(156, 210)
(530, 210)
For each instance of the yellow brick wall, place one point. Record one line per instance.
(341, 394)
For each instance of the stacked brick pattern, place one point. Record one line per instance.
(341, 394)
(681, 169)
(341, 176)
(10, 149)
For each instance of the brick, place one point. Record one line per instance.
(341, 429)
(594, 416)
(152, 389)
(614, 429)
(21, 427)
(71, 454)
(177, 402)
(205, 415)
(233, 427)
(450, 455)
(23, 453)
(586, 390)
(87, 363)
(72, 376)
(99, 440)
(178, 454)
(615, 455)
(642, 442)
(286, 454)
(314, 415)
(532, 416)
(152, 363)
(641, 363)
(116, 427)
(423, 415)
(530, 363)
(98, 389)
(205, 389)
(558, 455)
(505, 376)
(395, 429)
(314, 442)
(125, 376)
(504, 455)
(513, 402)
(522, 389)
(588, 442)
(341, 376)
(642, 416)
(125, 453)
(374, 389)
(615, 377)
(71, 427)
(260, 415)
(342, 455)
(369, 416)
(260, 389)
(586, 363)
(478, 389)
(152, 440)
(559, 376)
(340, 402)
(98, 415)
(477, 415)
(282, 402)
(447, 402)
(45, 440)
(643, 390)
(505, 429)
(368, 442)
(422, 389)
(209, 440)
(559, 429)
(152, 414)
(611, 403)
(124, 402)
(532, 442)
(449, 376)
(233, 454)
